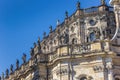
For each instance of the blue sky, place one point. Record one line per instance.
(22, 21)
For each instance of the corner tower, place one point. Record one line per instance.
(116, 5)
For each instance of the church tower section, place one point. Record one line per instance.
(116, 38)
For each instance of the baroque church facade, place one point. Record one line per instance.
(86, 46)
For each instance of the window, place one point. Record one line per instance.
(92, 36)
(83, 78)
(87, 39)
(74, 41)
(92, 22)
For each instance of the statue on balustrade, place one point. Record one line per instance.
(32, 52)
(66, 14)
(2, 76)
(50, 28)
(35, 44)
(24, 58)
(44, 35)
(7, 72)
(39, 45)
(17, 64)
(11, 69)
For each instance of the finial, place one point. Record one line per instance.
(58, 22)
(50, 28)
(66, 14)
(102, 2)
(78, 5)
(44, 34)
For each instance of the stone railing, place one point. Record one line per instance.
(92, 9)
(69, 50)
(76, 50)
(96, 9)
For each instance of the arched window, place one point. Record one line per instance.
(83, 78)
(74, 41)
(92, 36)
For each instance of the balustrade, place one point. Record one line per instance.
(92, 9)
(76, 50)
(71, 50)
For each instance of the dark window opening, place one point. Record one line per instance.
(92, 36)
(83, 78)
(74, 41)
